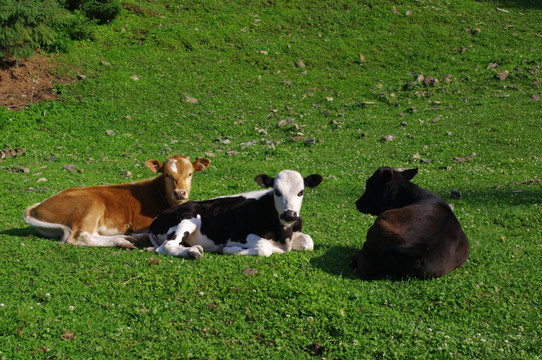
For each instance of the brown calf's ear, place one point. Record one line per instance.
(264, 180)
(313, 180)
(154, 165)
(410, 173)
(201, 164)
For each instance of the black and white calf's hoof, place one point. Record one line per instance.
(195, 252)
(301, 242)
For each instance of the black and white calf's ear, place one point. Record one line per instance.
(409, 174)
(264, 180)
(313, 180)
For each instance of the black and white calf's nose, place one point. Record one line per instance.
(289, 215)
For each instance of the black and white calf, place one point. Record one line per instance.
(254, 223)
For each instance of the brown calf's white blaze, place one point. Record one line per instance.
(115, 215)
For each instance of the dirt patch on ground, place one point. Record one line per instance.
(28, 83)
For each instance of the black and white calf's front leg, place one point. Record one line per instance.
(177, 239)
(258, 246)
(301, 242)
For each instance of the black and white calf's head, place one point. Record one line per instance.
(288, 192)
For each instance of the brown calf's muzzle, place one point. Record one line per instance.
(180, 194)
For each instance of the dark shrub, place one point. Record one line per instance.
(101, 10)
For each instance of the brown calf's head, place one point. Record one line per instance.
(381, 190)
(177, 172)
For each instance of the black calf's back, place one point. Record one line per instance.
(416, 233)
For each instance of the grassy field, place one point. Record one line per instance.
(315, 87)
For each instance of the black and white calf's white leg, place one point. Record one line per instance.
(254, 245)
(257, 246)
(302, 242)
(173, 244)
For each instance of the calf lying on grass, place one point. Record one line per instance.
(107, 215)
(416, 234)
(254, 223)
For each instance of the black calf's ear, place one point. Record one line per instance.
(387, 175)
(313, 180)
(410, 173)
(264, 180)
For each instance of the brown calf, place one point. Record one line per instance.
(416, 234)
(115, 215)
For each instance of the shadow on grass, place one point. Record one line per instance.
(336, 261)
(20, 232)
(520, 4)
(500, 198)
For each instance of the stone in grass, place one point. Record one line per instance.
(389, 138)
(250, 271)
(190, 100)
(9, 152)
(502, 75)
(126, 173)
(70, 168)
(455, 195)
(23, 170)
(430, 81)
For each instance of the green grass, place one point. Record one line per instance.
(241, 61)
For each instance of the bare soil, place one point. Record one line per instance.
(29, 82)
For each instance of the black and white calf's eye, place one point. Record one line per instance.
(301, 193)
(278, 193)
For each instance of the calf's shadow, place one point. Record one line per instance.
(336, 261)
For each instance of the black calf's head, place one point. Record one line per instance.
(288, 195)
(382, 190)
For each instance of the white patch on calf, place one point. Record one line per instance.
(257, 194)
(173, 166)
(105, 231)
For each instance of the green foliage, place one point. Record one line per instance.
(26, 25)
(292, 68)
(101, 10)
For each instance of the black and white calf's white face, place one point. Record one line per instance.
(288, 192)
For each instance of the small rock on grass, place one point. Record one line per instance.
(70, 168)
(190, 100)
(502, 75)
(249, 271)
(9, 152)
(456, 194)
(389, 138)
